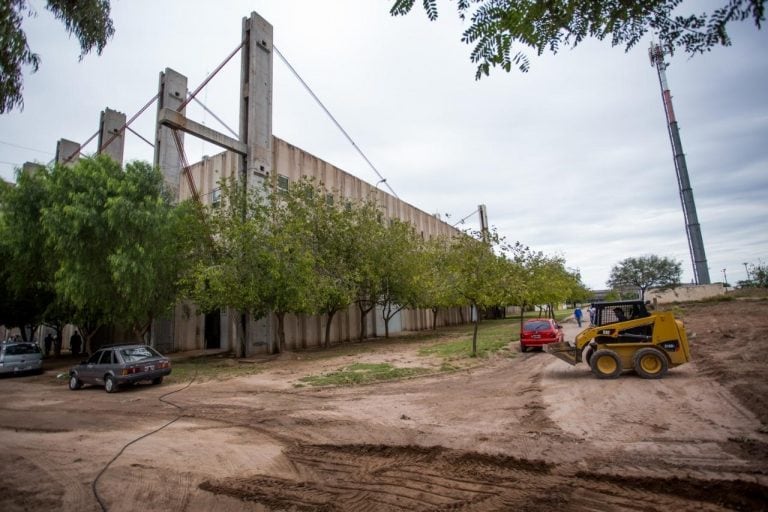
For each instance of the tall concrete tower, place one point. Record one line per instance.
(692, 227)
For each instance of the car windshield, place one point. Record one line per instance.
(133, 354)
(537, 326)
(22, 348)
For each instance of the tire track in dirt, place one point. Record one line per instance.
(409, 478)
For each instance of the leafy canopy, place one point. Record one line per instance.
(498, 27)
(644, 272)
(88, 20)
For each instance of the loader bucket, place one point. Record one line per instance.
(563, 351)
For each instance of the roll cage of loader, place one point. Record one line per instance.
(626, 336)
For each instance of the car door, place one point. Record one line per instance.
(89, 370)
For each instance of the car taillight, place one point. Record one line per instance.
(164, 364)
(131, 370)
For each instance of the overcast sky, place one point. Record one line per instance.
(572, 158)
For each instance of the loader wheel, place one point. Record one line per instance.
(605, 364)
(650, 363)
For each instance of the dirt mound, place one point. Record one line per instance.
(729, 342)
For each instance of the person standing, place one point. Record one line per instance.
(577, 314)
(47, 344)
(592, 314)
(56, 345)
(75, 342)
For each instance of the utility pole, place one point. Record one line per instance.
(692, 227)
(483, 221)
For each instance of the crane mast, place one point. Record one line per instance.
(692, 227)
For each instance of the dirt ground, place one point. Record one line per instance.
(526, 433)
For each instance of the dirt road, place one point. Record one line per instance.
(525, 433)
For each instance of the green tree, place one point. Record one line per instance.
(369, 241)
(117, 243)
(757, 276)
(333, 240)
(499, 27)
(232, 275)
(436, 288)
(26, 277)
(480, 273)
(398, 270)
(644, 272)
(88, 20)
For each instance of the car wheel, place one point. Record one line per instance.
(74, 382)
(650, 363)
(523, 348)
(157, 380)
(110, 386)
(605, 364)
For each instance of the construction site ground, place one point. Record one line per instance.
(515, 431)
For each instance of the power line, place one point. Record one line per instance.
(461, 221)
(25, 147)
(314, 96)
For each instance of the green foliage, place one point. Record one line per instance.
(645, 272)
(88, 20)
(26, 275)
(362, 373)
(758, 276)
(119, 245)
(399, 269)
(498, 26)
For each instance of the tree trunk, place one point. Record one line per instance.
(280, 332)
(461, 314)
(474, 332)
(363, 320)
(243, 323)
(522, 316)
(434, 318)
(328, 328)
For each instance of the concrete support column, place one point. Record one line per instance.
(67, 152)
(256, 134)
(31, 168)
(112, 133)
(173, 91)
(256, 98)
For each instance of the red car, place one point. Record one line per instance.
(537, 332)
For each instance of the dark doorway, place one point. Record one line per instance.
(213, 329)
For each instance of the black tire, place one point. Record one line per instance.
(586, 355)
(157, 380)
(523, 348)
(605, 364)
(75, 383)
(110, 384)
(650, 363)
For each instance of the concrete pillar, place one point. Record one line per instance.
(256, 98)
(31, 168)
(256, 134)
(173, 91)
(67, 152)
(112, 133)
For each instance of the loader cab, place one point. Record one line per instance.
(619, 311)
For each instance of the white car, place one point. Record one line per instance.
(20, 357)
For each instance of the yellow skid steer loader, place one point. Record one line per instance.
(626, 336)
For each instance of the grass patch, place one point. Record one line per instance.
(362, 373)
(210, 368)
(492, 336)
